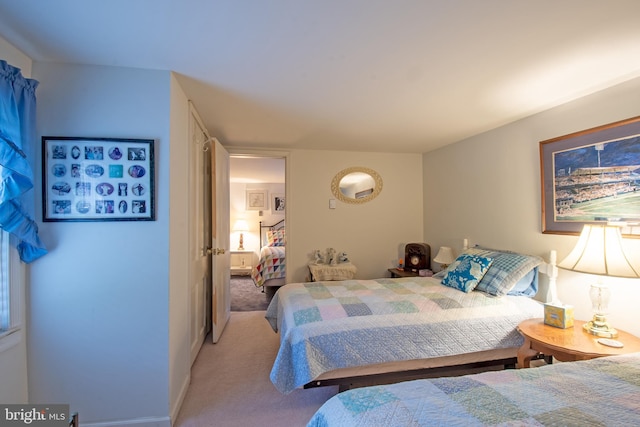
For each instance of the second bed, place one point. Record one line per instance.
(342, 332)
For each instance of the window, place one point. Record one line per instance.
(10, 287)
(5, 295)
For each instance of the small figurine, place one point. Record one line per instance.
(342, 257)
(331, 256)
(317, 257)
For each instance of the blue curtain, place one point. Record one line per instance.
(17, 124)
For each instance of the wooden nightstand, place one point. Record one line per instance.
(567, 345)
(402, 273)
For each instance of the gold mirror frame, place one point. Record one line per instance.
(335, 185)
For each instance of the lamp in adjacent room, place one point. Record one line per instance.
(599, 251)
(241, 226)
(444, 257)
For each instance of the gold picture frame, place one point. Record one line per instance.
(592, 176)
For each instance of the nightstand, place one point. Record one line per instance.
(241, 262)
(567, 345)
(402, 273)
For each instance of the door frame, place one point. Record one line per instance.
(199, 260)
(273, 154)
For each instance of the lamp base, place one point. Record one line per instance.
(599, 326)
(241, 245)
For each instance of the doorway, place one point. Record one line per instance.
(265, 175)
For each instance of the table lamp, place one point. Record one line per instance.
(599, 251)
(241, 226)
(445, 257)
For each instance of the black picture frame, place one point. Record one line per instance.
(97, 179)
(591, 177)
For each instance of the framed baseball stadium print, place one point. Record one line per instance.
(592, 176)
(97, 179)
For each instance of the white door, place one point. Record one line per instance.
(221, 298)
(199, 230)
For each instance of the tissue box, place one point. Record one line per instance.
(560, 316)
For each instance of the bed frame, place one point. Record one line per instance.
(394, 372)
(460, 364)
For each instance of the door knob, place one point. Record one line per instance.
(219, 251)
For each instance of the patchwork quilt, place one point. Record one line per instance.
(598, 392)
(270, 266)
(329, 325)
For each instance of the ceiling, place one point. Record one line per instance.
(257, 170)
(363, 75)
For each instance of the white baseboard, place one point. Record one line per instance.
(148, 421)
(175, 409)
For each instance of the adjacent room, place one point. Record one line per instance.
(257, 267)
(455, 184)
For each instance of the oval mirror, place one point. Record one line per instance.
(356, 185)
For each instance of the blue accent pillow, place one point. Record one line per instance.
(466, 271)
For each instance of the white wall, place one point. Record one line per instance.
(373, 234)
(13, 360)
(487, 189)
(178, 182)
(99, 301)
(237, 196)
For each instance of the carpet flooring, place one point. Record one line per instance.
(230, 383)
(245, 296)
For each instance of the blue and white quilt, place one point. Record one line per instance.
(330, 325)
(598, 392)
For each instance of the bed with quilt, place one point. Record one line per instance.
(342, 332)
(597, 392)
(271, 267)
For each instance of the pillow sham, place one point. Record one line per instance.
(507, 269)
(275, 237)
(527, 286)
(466, 271)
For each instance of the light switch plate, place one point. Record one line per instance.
(332, 203)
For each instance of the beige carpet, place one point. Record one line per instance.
(230, 383)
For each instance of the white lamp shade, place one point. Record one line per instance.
(445, 255)
(599, 251)
(240, 225)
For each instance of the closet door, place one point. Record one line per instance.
(199, 235)
(221, 298)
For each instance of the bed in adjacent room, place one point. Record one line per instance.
(271, 267)
(351, 331)
(597, 392)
